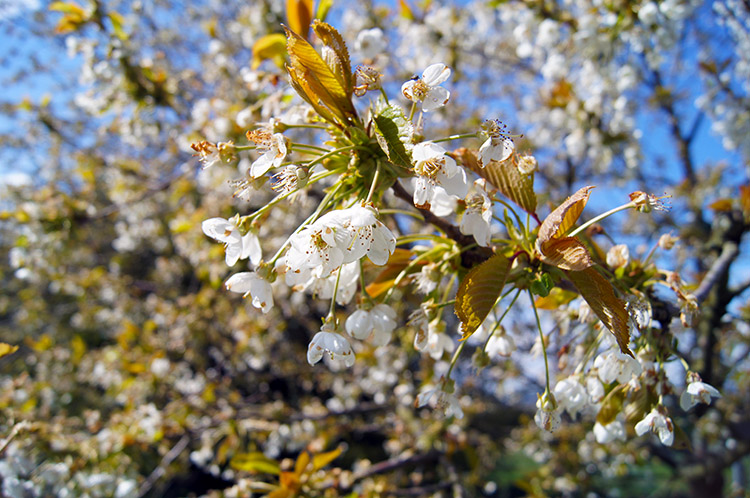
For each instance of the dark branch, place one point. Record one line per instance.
(470, 257)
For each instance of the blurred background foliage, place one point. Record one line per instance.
(137, 374)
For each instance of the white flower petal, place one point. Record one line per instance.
(436, 98)
(359, 324)
(251, 248)
(436, 74)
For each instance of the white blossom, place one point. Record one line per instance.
(427, 279)
(617, 366)
(570, 395)
(613, 431)
(659, 424)
(427, 89)
(547, 415)
(237, 246)
(436, 169)
(618, 256)
(439, 399)
(379, 321)
(370, 43)
(329, 342)
(498, 146)
(274, 148)
(253, 285)
(478, 215)
(339, 237)
(698, 392)
(500, 344)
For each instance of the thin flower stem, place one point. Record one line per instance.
(335, 291)
(362, 285)
(374, 184)
(454, 359)
(515, 215)
(408, 268)
(245, 147)
(498, 322)
(541, 337)
(406, 239)
(311, 126)
(385, 95)
(331, 153)
(413, 110)
(403, 212)
(283, 196)
(323, 204)
(446, 303)
(307, 146)
(456, 137)
(597, 219)
(650, 254)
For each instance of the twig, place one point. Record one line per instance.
(23, 425)
(392, 464)
(469, 258)
(162, 468)
(729, 253)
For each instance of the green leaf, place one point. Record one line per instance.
(255, 462)
(392, 131)
(478, 292)
(611, 310)
(542, 285)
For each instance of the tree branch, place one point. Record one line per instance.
(159, 471)
(470, 257)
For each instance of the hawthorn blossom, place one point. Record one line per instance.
(698, 392)
(500, 344)
(370, 43)
(435, 169)
(379, 321)
(237, 246)
(613, 431)
(547, 415)
(338, 237)
(289, 179)
(328, 341)
(440, 399)
(498, 146)
(209, 153)
(571, 395)
(659, 424)
(274, 148)
(478, 215)
(617, 366)
(595, 389)
(366, 78)
(527, 165)
(427, 89)
(667, 241)
(427, 279)
(618, 256)
(251, 284)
